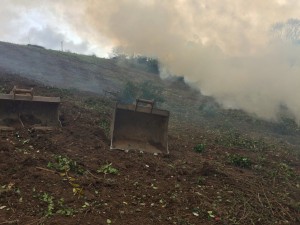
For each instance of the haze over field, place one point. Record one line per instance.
(244, 53)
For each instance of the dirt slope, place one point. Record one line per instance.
(40, 183)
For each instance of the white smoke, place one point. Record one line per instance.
(244, 53)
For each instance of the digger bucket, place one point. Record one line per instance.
(21, 109)
(137, 127)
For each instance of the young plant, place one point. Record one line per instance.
(200, 180)
(64, 164)
(108, 169)
(63, 209)
(52, 208)
(48, 199)
(105, 126)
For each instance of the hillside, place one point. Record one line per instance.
(224, 166)
(67, 70)
(89, 73)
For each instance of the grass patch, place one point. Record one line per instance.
(284, 171)
(234, 139)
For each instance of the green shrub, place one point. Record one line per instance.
(129, 93)
(145, 90)
(209, 109)
(148, 90)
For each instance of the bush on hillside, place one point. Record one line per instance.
(209, 109)
(145, 90)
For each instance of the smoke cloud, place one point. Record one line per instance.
(244, 53)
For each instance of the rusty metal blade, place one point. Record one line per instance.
(23, 110)
(141, 128)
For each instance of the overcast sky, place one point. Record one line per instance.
(245, 53)
(94, 25)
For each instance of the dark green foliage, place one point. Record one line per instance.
(151, 91)
(199, 148)
(139, 62)
(209, 109)
(145, 90)
(286, 126)
(151, 65)
(129, 93)
(240, 161)
(36, 46)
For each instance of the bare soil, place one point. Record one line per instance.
(184, 187)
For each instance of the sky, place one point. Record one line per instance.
(246, 53)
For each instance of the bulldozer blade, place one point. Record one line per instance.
(17, 111)
(140, 128)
